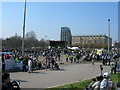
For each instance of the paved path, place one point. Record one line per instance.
(67, 74)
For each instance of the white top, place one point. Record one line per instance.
(104, 83)
(29, 62)
(96, 85)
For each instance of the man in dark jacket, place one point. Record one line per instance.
(6, 84)
(3, 63)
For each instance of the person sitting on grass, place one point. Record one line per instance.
(96, 85)
(104, 82)
(107, 83)
(118, 85)
(111, 84)
(89, 87)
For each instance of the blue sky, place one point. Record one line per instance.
(47, 18)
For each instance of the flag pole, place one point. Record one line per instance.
(24, 29)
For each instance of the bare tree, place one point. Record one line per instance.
(30, 35)
(42, 42)
(16, 41)
(31, 40)
(12, 42)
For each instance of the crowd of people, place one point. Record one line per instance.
(30, 61)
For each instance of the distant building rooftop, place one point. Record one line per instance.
(90, 36)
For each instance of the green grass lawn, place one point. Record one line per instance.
(83, 84)
(115, 77)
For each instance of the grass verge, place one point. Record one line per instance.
(82, 84)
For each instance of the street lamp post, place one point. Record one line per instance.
(108, 36)
(23, 29)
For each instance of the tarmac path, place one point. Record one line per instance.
(67, 74)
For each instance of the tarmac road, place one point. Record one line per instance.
(67, 74)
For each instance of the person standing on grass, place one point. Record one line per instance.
(115, 66)
(112, 66)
